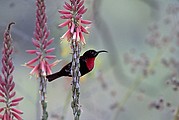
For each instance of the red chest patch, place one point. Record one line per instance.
(90, 63)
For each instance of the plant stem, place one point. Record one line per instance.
(43, 90)
(75, 104)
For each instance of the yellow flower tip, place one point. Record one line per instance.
(55, 63)
(61, 41)
(88, 27)
(61, 38)
(30, 77)
(24, 65)
(64, 39)
(83, 43)
(35, 75)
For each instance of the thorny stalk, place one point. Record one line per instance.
(75, 104)
(73, 15)
(41, 42)
(43, 91)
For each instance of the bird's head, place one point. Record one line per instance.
(92, 53)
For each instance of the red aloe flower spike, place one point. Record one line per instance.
(40, 64)
(73, 16)
(7, 85)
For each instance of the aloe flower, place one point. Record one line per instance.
(40, 64)
(7, 85)
(73, 15)
(41, 43)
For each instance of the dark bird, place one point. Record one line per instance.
(86, 65)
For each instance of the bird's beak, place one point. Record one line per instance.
(101, 52)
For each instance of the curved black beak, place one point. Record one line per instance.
(101, 52)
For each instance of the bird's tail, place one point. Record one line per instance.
(53, 76)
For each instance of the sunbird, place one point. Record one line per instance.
(86, 65)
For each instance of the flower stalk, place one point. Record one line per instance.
(40, 64)
(75, 104)
(73, 15)
(7, 85)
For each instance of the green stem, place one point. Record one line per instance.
(43, 90)
(75, 104)
(44, 107)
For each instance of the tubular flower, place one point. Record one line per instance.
(73, 15)
(7, 92)
(41, 43)
(40, 64)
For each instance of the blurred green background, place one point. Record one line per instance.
(142, 38)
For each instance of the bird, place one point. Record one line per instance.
(86, 65)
